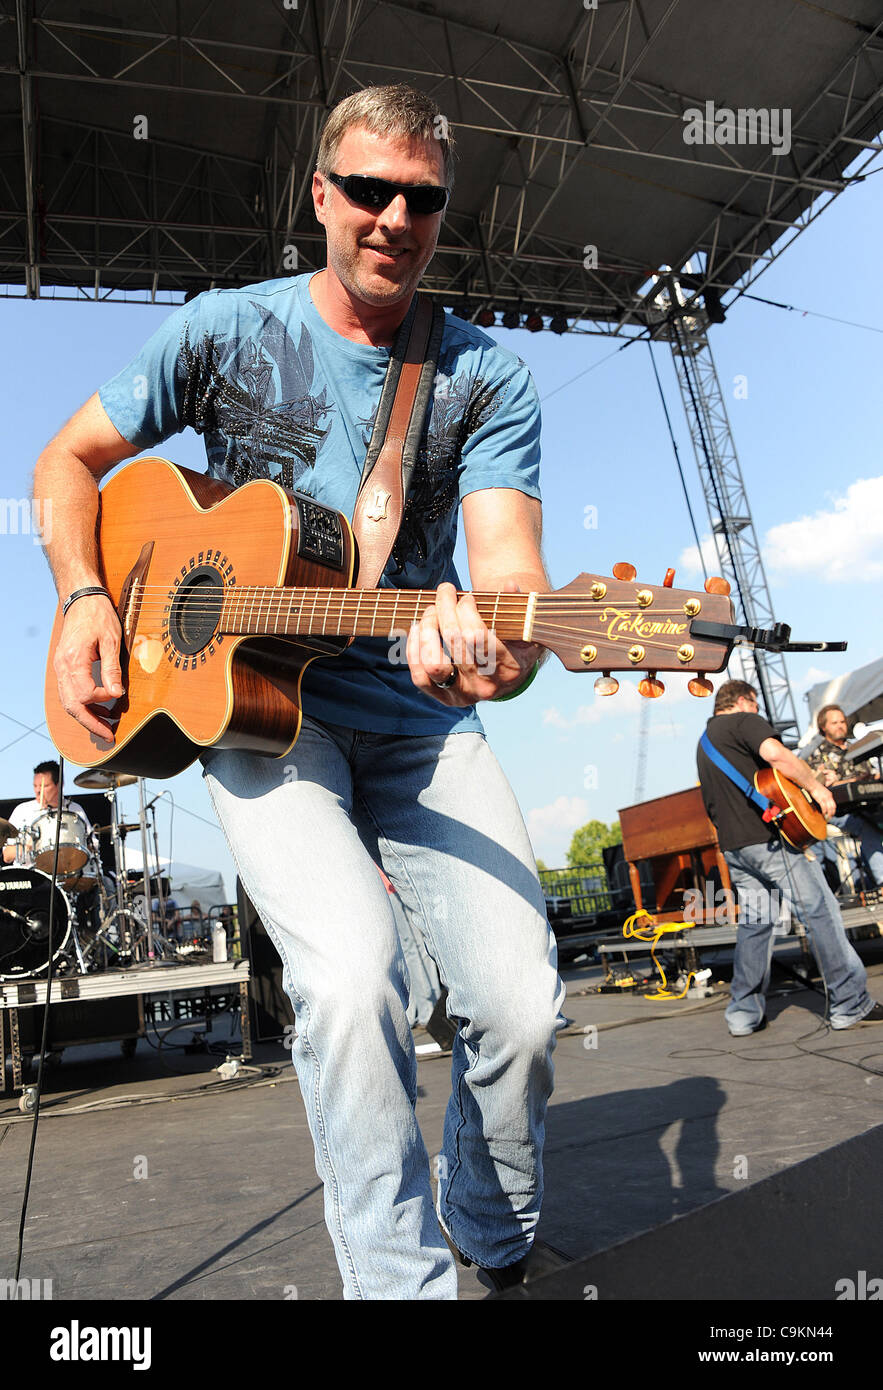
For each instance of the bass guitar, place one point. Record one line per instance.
(225, 596)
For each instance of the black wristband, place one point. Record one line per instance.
(82, 593)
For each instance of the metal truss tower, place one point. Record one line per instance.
(726, 499)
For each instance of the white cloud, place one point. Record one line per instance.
(814, 676)
(689, 558)
(627, 702)
(547, 824)
(843, 543)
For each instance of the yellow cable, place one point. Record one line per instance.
(630, 929)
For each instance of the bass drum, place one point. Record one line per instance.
(25, 896)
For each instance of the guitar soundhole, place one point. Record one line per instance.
(196, 610)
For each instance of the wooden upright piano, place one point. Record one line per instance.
(674, 835)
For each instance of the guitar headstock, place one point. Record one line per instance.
(617, 623)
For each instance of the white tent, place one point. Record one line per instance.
(859, 694)
(188, 882)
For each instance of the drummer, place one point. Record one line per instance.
(46, 794)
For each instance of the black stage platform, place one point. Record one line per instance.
(664, 1115)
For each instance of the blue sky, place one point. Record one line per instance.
(808, 437)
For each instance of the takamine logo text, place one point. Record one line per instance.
(620, 623)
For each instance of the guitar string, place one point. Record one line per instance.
(332, 625)
(507, 607)
(512, 603)
(487, 595)
(286, 592)
(544, 602)
(276, 610)
(389, 606)
(606, 658)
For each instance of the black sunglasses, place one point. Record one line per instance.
(376, 194)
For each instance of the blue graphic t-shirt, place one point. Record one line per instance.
(276, 393)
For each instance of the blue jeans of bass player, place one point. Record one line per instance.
(306, 832)
(762, 875)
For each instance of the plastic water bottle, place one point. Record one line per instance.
(219, 942)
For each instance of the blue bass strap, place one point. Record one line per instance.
(762, 803)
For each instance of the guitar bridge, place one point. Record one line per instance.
(132, 593)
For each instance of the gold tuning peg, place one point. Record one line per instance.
(651, 687)
(623, 570)
(700, 685)
(716, 585)
(606, 684)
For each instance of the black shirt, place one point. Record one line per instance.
(737, 820)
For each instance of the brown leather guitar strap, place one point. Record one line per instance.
(398, 428)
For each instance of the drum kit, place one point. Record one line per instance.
(100, 920)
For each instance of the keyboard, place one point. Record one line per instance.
(853, 796)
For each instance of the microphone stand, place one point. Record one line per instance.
(148, 909)
(163, 919)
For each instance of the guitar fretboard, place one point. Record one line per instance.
(277, 612)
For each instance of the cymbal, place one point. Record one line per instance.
(7, 830)
(103, 781)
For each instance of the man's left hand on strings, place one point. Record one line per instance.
(451, 639)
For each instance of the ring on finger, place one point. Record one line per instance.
(448, 680)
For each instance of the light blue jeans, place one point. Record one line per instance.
(762, 875)
(306, 832)
(424, 984)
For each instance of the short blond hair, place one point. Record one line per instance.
(397, 110)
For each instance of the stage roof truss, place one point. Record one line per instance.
(569, 123)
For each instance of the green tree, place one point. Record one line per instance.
(590, 839)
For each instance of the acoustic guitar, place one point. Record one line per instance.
(794, 814)
(226, 595)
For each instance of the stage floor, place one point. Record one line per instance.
(154, 1179)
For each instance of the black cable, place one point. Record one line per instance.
(821, 1027)
(811, 313)
(587, 370)
(676, 328)
(28, 729)
(674, 445)
(45, 1033)
(214, 824)
(268, 1071)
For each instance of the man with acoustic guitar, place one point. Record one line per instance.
(765, 869)
(283, 379)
